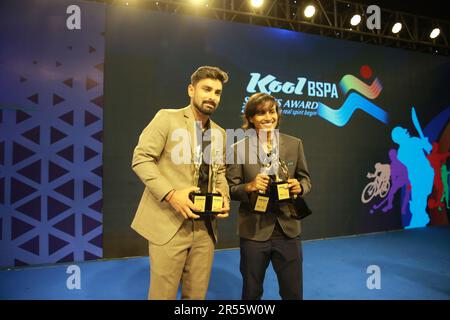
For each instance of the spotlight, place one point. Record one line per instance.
(397, 27)
(198, 2)
(310, 11)
(435, 33)
(356, 19)
(256, 3)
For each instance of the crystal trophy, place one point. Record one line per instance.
(280, 187)
(260, 199)
(208, 202)
(301, 208)
(214, 198)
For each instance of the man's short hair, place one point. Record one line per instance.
(207, 72)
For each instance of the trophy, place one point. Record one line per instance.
(280, 187)
(261, 199)
(208, 202)
(301, 208)
(215, 202)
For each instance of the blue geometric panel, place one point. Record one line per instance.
(89, 188)
(19, 263)
(90, 256)
(67, 189)
(2, 190)
(55, 207)
(67, 118)
(34, 98)
(68, 82)
(67, 225)
(21, 116)
(20, 153)
(89, 153)
(98, 101)
(89, 224)
(19, 227)
(98, 171)
(98, 136)
(32, 171)
(55, 244)
(55, 171)
(56, 135)
(90, 118)
(51, 140)
(31, 245)
(33, 134)
(2, 152)
(31, 208)
(66, 153)
(97, 241)
(90, 83)
(97, 206)
(19, 190)
(57, 99)
(67, 258)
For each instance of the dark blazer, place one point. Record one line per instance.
(255, 226)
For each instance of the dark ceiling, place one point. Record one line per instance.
(429, 8)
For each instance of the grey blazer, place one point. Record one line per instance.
(155, 219)
(259, 227)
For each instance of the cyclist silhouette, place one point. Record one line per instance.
(380, 185)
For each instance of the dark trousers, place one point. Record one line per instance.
(286, 257)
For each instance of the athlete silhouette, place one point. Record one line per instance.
(399, 179)
(411, 153)
(445, 174)
(437, 160)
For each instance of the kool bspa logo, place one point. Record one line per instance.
(304, 95)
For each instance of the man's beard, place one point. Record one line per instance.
(206, 110)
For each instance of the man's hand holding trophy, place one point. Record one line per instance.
(208, 203)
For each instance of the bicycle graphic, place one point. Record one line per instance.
(380, 185)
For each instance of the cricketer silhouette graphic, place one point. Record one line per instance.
(412, 153)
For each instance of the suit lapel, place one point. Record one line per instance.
(284, 154)
(283, 151)
(190, 126)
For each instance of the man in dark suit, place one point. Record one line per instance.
(273, 236)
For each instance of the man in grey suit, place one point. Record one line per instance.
(273, 236)
(181, 243)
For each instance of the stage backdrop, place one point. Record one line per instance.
(341, 98)
(51, 122)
